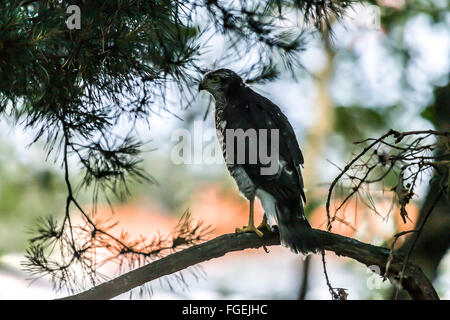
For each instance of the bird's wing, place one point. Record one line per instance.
(257, 112)
(273, 113)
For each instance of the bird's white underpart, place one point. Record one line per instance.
(268, 203)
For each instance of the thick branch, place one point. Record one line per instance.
(414, 281)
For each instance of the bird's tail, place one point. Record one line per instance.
(295, 231)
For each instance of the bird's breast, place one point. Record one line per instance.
(245, 184)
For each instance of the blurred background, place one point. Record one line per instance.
(381, 69)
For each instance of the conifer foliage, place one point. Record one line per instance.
(73, 85)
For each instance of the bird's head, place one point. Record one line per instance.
(220, 83)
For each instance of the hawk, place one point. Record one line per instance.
(237, 107)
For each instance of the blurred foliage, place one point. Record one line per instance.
(422, 93)
(435, 9)
(438, 112)
(368, 113)
(26, 193)
(357, 123)
(175, 183)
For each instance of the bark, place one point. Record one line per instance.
(414, 280)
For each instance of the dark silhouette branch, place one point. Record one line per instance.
(305, 276)
(407, 160)
(417, 234)
(413, 281)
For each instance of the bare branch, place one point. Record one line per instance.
(404, 156)
(414, 280)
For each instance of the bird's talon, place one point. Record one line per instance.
(259, 233)
(264, 225)
(250, 229)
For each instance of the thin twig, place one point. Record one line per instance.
(417, 234)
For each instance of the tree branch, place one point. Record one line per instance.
(414, 281)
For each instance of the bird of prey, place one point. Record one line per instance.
(237, 107)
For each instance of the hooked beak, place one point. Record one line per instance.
(201, 86)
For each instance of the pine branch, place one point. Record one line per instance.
(413, 281)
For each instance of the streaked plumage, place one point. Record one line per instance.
(281, 194)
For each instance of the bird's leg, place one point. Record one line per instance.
(251, 225)
(264, 224)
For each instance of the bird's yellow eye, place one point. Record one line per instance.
(215, 79)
